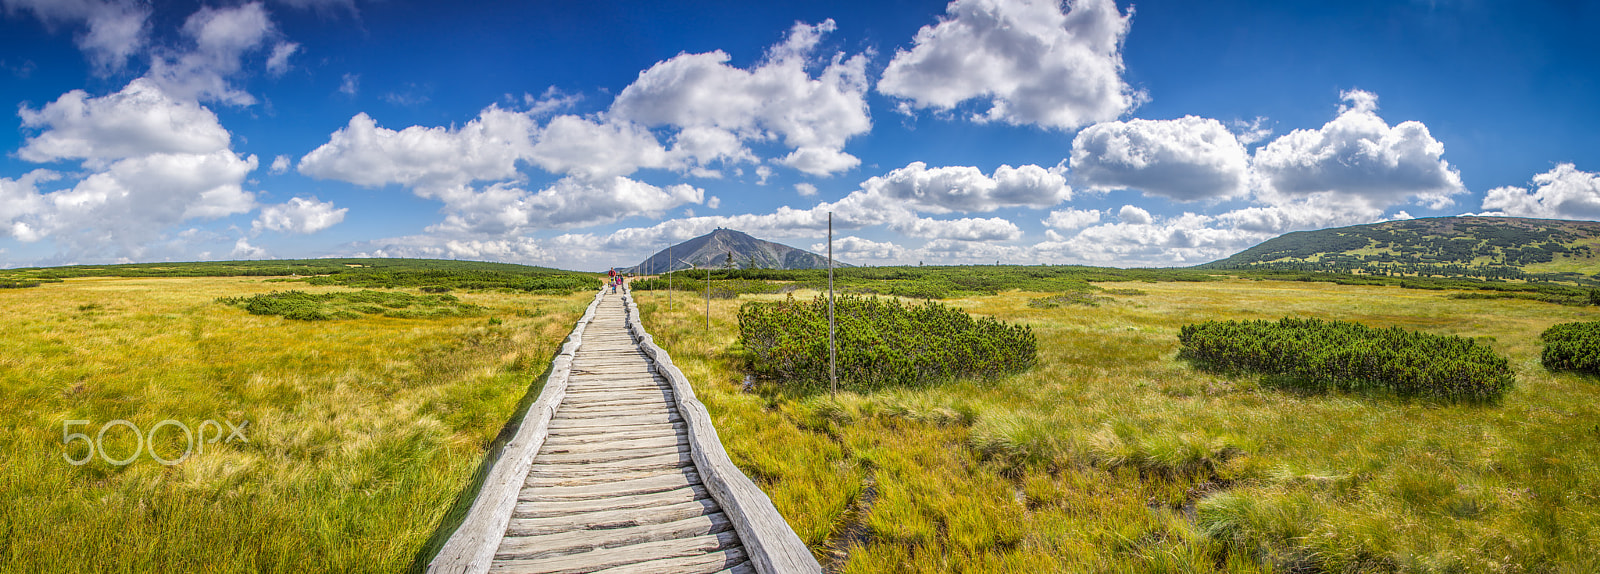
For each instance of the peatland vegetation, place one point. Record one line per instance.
(1114, 455)
(359, 436)
(882, 343)
(1323, 355)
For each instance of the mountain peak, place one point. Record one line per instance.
(713, 250)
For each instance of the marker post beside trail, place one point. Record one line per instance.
(833, 352)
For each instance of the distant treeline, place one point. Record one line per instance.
(437, 275)
(931, 282)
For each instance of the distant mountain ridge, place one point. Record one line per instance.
(712, 249)
(1479, 247)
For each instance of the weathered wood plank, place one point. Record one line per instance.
(611, 558)
(676, 426)
(592, 434)
(616, 444)
(621, 421)
(661, 483)
(568, 543)
(673, 460)
(542, 508)
(612, 455)
(610, 518)
(708, 563)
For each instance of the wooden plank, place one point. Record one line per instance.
(613, 412)
(610, 518)
(653, 484)
(672, 460)
(577, 435)
(671, 440)
(615, 557)
(541, 508)
(613, 400)
(568, 543)
(611, 455)
(558, 480)
(604, 430)
(630, 420)
(708, 563)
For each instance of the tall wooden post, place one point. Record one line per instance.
(833, 352)
(708, 298)
(669, 275)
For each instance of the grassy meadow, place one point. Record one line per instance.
(1114, 456)
(361, 433)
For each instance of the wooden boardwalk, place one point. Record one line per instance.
(622, 478)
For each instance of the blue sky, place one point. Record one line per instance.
(585, 135)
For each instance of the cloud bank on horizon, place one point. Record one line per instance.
(768, 142)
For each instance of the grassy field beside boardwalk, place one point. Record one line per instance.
(1113, 455)
(361, 432)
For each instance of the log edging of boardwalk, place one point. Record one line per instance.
(769, 542)
(471, 548)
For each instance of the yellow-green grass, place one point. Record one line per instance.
(1114, 456)
(362, 434)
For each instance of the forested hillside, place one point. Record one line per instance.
(1505, 248)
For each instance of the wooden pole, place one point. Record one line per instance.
(708, 298)
(833, 352)
(669, 275)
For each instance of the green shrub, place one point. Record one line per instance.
(881, 343)
(302, 306)
(1069, 298)
(1327, 355)
(1572, 347)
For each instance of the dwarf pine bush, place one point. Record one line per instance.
(1572, 347)
(1342, 355)
(303, 306)
(881, 343)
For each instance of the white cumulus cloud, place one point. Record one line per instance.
(1564, 192)
(1069, 219)
(140, 119)
(1186, 159)
(299, 215)
(1359, 157)
(967, 189)
(718, 107)
(150, 162)
(1030, 61)
(428, 159)
(574, 145)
